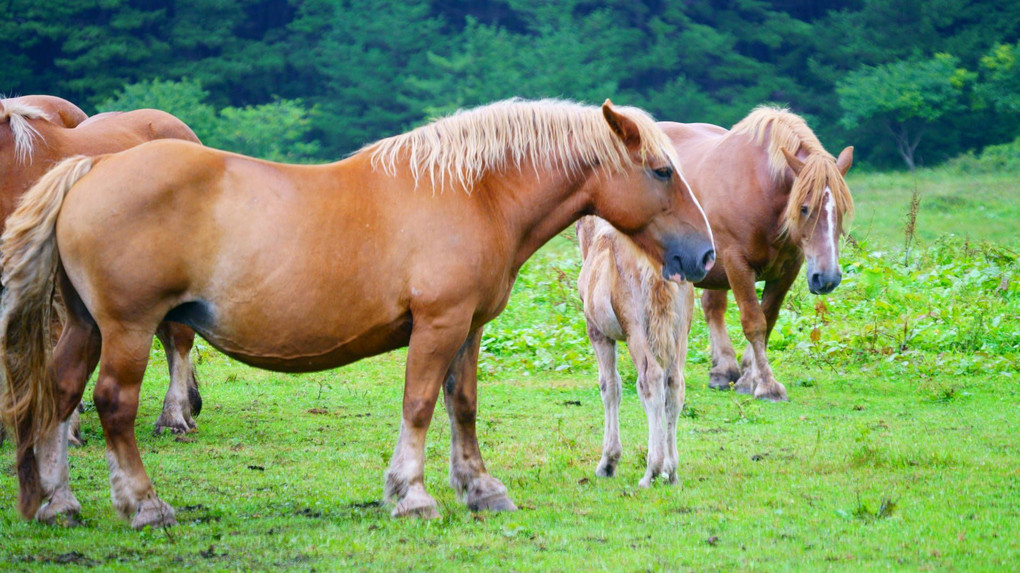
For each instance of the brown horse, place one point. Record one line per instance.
(414, 241)
(774, 197)
(626, 299)
(35, 134)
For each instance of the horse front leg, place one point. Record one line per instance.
(468, 476)
(757, 379)
(434, 344)
(724, 372)
(182, 400)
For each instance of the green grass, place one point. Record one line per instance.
(898, 449)
(978, 207)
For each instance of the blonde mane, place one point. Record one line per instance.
(777, 128)
(461, 148)
(17, 115)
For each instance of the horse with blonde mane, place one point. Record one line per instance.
(414, 241)
(37, 132)
(774, 197)
(626, 299)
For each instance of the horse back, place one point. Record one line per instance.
(114, 131)
(59, 110)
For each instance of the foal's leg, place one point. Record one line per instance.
(675, 385)
(758, 379)
(74, 360)
(724, 361)
(182, 392)
(122, 365)
(468, 477)
(433, 346)
(611, 389)
(651, 386)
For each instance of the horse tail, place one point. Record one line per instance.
(29, 402)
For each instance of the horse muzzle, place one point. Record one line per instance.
(688, 259)
(824, 282)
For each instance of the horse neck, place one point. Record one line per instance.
(538, 207)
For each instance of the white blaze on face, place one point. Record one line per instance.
(829, 209)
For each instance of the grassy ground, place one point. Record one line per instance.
(897, 450)
(980, 207)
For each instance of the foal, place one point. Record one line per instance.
(626, 299)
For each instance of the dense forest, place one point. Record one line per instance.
(908, 82)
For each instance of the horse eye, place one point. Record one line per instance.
(804, 211)
(663, 173)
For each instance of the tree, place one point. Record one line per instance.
(278, 131)
(905, 98)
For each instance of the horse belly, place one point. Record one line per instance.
(292, 350)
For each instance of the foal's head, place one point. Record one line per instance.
(819, 200)
(648, 199)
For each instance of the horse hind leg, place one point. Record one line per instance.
(122, 366)
(651, 386)
(610, 388)
(74, 360)
(675, 385)
(182, 399)
(724, 372)
(468, 475)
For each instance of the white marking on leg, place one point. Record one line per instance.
(120, 488)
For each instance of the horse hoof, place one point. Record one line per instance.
(172, 424)
(606, 469)
(774, 392)
(63, 509)
(423, 510)
(719, 382)
(486, 493)
(154, 512)
(495, 502)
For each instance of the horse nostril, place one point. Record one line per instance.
(708, 260)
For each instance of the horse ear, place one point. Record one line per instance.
(845, 160)
(795, 164)
(622, 126)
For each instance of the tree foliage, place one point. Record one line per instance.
(348, 72)
(905, 97)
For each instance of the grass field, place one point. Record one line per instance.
(898, 448)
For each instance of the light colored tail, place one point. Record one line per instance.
(29, 397)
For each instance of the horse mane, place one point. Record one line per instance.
(461, 148)
(17, 115)
(778, 128)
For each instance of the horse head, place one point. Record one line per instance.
(819, 201)
(648, 199)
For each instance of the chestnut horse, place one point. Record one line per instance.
(626, 299)
(774, 197)
(35, 134)
(414, 241)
